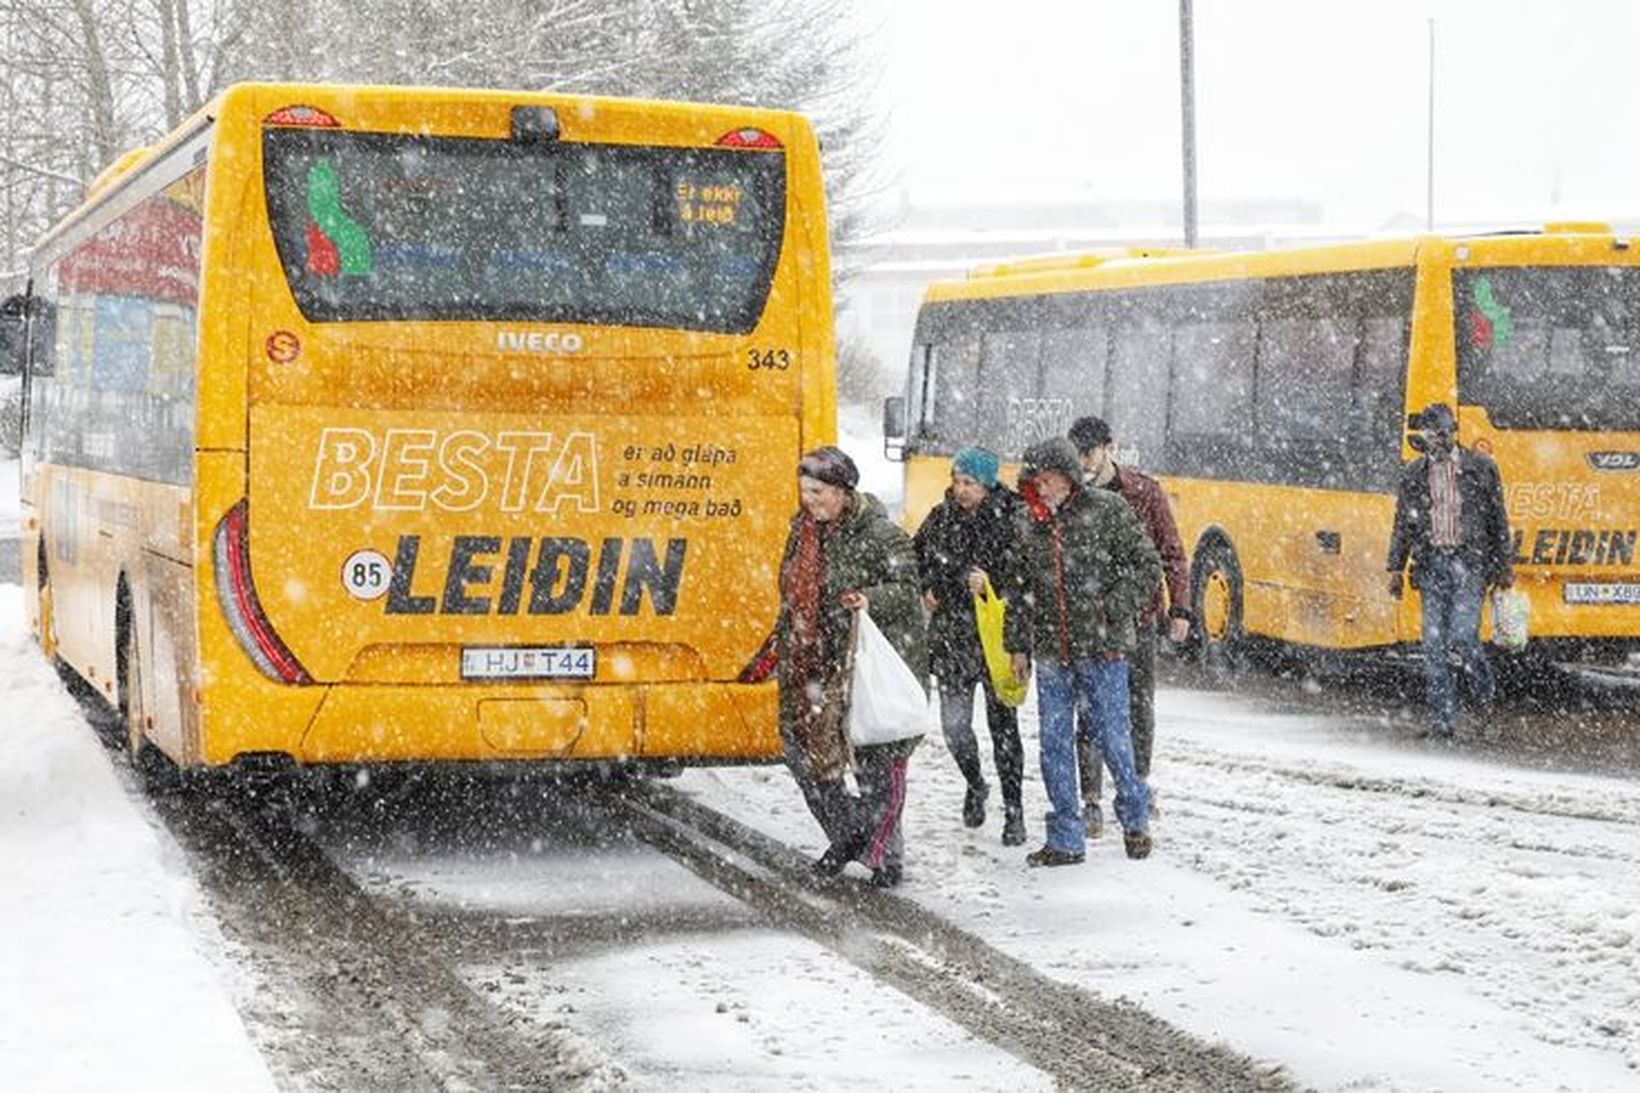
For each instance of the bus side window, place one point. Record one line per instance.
(13, 334)
(921, 420)
(1007, 386)
(1138, 397)
(1073, 377)
(1305, 368)
(1212, 397)
(954, 413)
(1380, 392)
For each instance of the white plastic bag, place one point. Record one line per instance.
(886, 703)
(1510, 611)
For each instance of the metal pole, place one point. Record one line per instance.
(1429, 196)
(1187, 107)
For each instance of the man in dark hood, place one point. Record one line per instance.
(1086, 570)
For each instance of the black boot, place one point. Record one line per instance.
(1013, 826)
(887, 876)
(838, 855)
(973, 805)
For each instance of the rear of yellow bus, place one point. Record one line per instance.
(498, 461)
(1547, 340)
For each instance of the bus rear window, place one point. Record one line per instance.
(1550, 347)
(382, 227)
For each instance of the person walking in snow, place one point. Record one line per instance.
(1450, 520)
(965, 540)
(1085, 572)
(843, 555)
(1097, 450)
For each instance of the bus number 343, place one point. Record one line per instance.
(768, 358)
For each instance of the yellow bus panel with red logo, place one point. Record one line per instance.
(1273, 394)
(404, 424)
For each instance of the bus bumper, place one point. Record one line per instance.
(358, 723)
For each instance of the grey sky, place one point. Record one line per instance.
(1318, 100)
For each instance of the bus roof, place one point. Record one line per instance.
(1120, 267)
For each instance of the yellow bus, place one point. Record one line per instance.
(1274, 393)
(374, 424)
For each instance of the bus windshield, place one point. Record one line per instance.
(1550, 347)
(386, 227)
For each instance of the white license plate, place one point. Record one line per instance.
(1609, 592)
(528, 662)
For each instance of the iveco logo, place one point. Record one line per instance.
(536, 341)
(1614, 461)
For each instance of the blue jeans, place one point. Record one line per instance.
(1452, 594)
(1102, 687)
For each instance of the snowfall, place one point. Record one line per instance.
(1328, 893)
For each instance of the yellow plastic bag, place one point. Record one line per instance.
(989, 610)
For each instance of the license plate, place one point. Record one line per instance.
(1610, 592)
(528, 662)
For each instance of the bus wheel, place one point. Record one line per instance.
(1216, 603)
(151, 766)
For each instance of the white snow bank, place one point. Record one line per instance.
(103, 980)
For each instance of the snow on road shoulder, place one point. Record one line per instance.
(105, 983)
(10, 506)
(1369, 914)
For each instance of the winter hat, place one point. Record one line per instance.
(1088, 433)
(830, 465)
(978, 464)
(1053, 454)
(1438, 417)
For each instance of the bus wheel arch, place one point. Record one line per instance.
(1217, 601)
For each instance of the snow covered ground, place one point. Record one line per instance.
(107, 974)
(1369, 911)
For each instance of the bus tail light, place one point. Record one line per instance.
(748, 138)
(236, 592)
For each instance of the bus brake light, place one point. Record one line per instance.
(748, 138)
(310, 116)
(236, 592)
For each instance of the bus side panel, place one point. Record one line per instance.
(81, 558)
(163, 584)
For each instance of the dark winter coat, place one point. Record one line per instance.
(1149, 503)
(951, 542)
(1085, 573)
(867, 553)
(1485, 545)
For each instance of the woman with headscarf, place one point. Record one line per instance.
(843, 555)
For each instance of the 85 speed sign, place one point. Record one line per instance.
(366, 574)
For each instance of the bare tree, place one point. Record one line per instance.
(86, 79)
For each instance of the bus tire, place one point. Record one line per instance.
(1216, 608)
(150, 765)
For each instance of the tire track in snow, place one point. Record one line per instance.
(1082, 1041)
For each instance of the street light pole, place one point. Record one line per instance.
(1187, 107)
(1429, 156)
